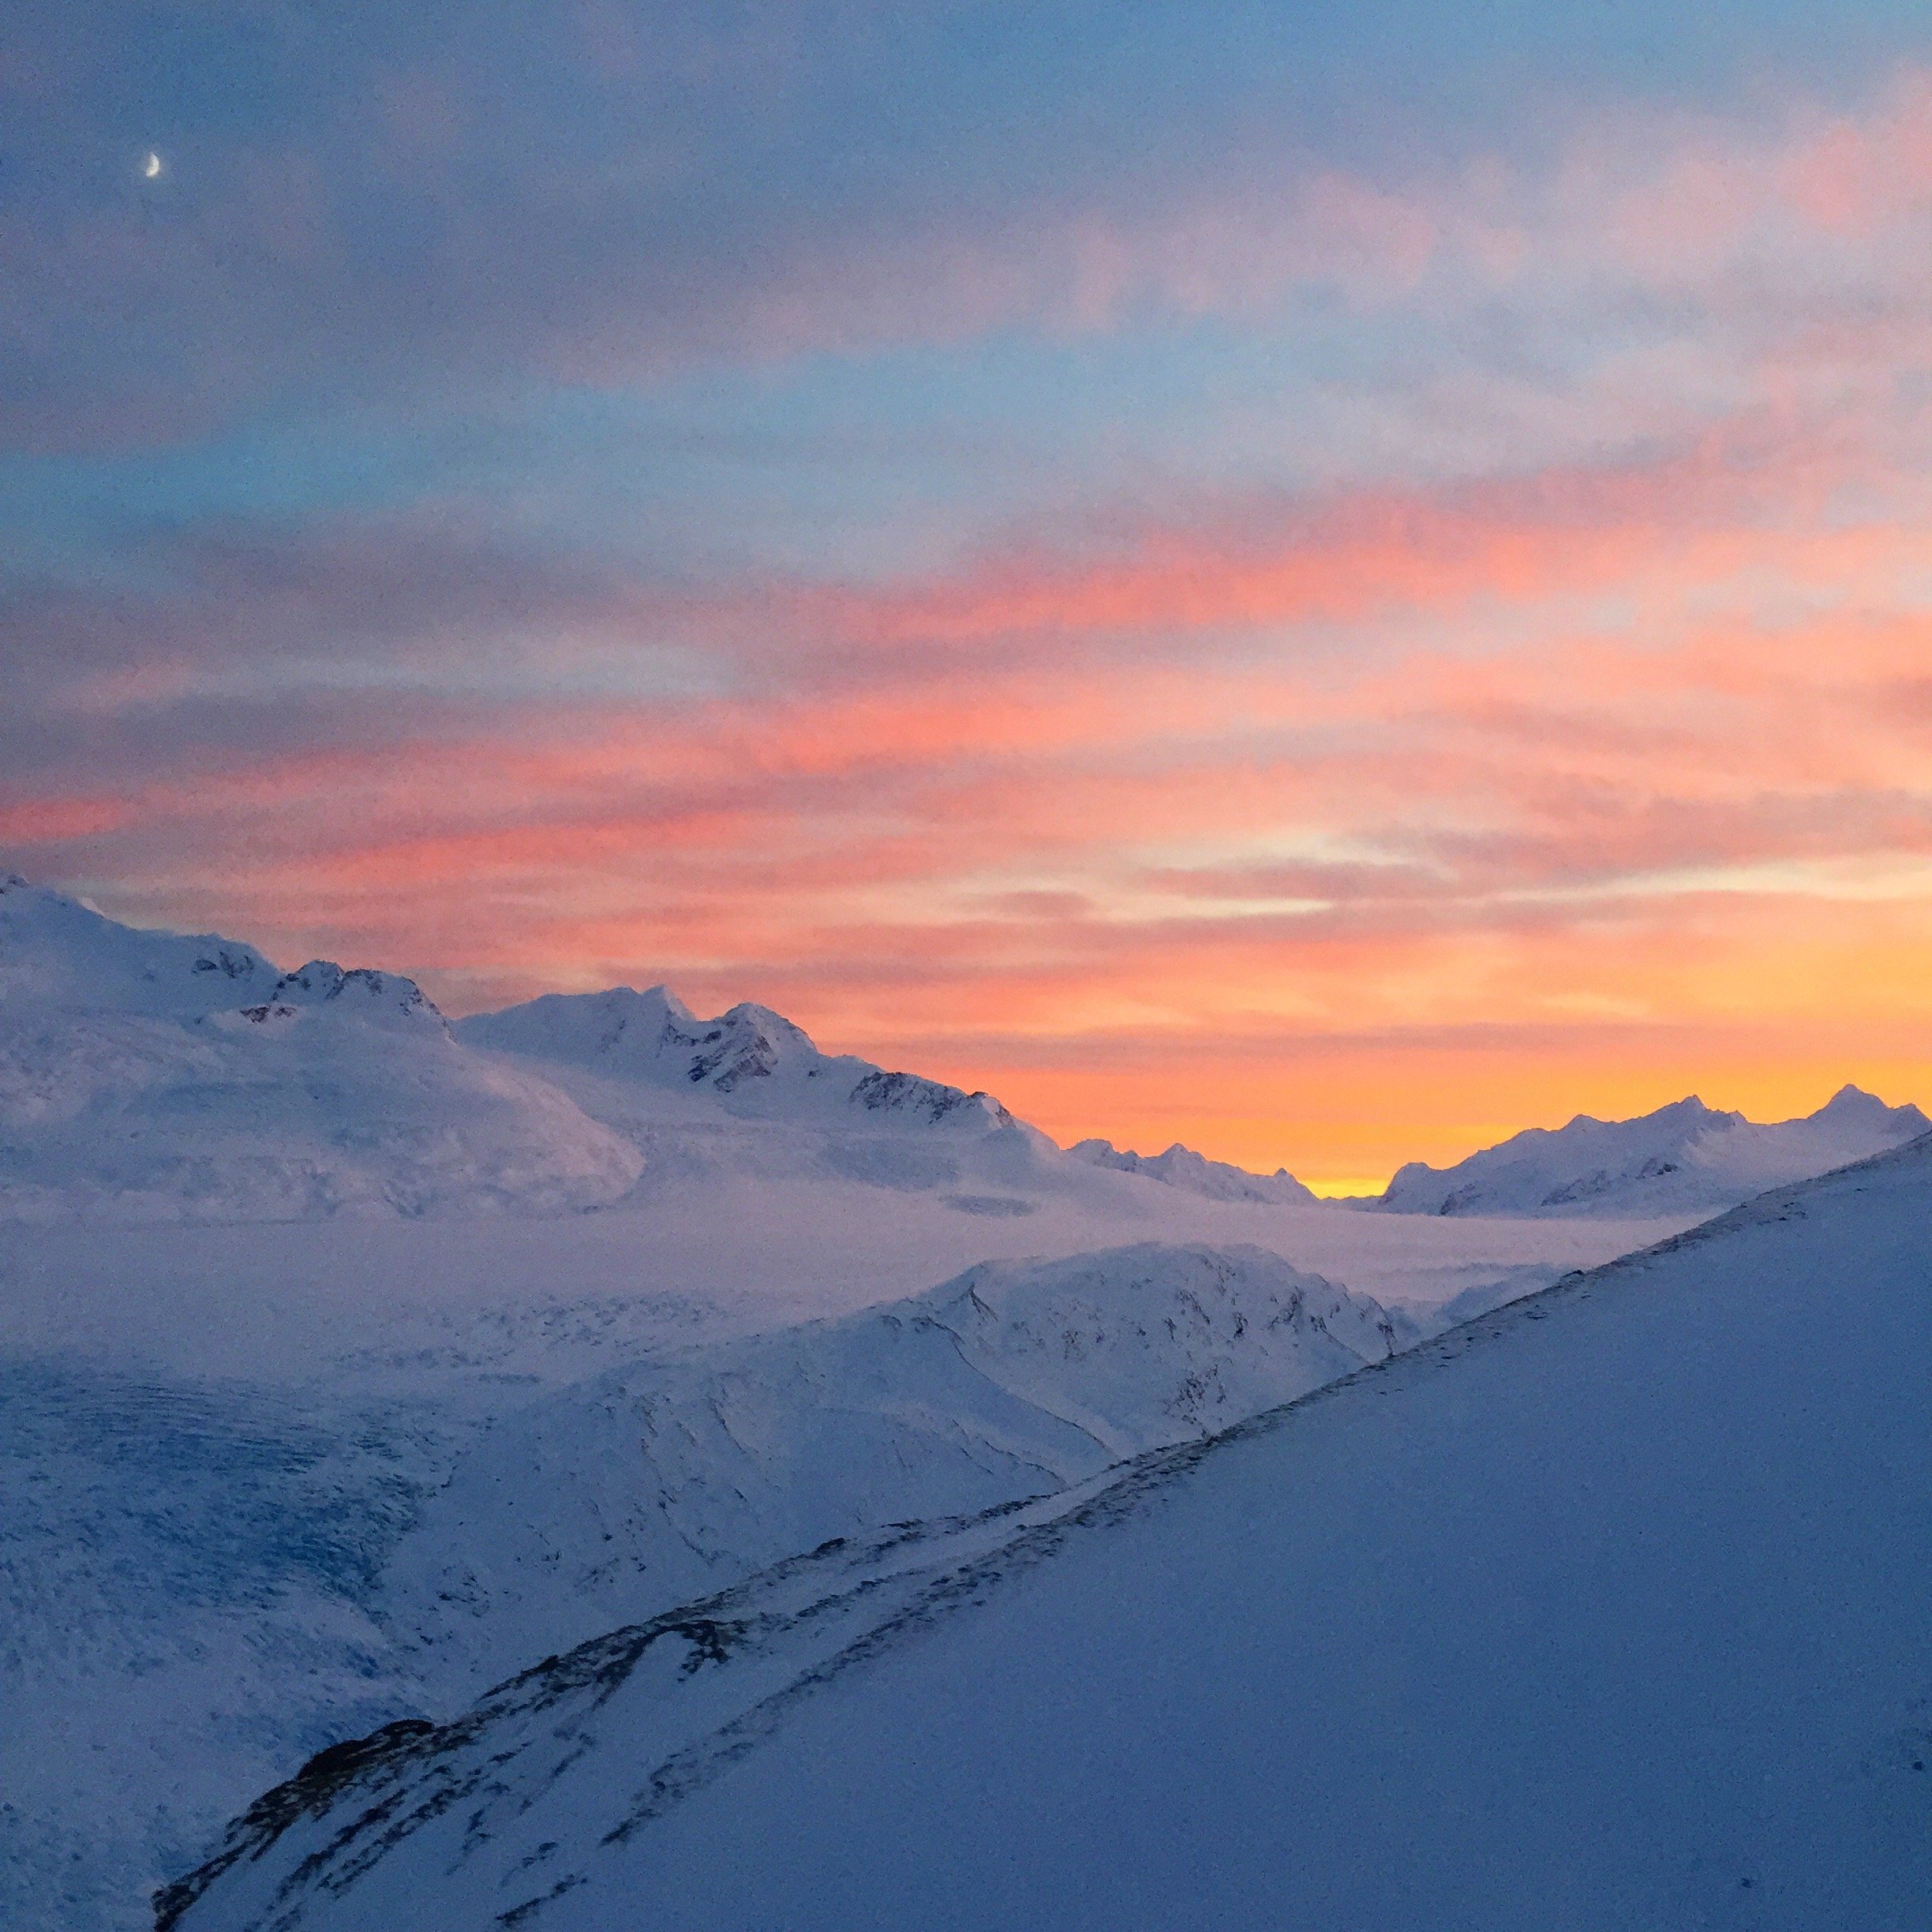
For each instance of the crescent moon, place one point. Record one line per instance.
(151, 167)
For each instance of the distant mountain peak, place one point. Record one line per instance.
(362, 991)
(1685, 1157)
(749, 1055)
(1852, 1103)
(1182, 1167)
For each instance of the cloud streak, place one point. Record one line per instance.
(1476, 620)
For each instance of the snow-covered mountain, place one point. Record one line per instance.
(203, 1581)
(761, 1066)
(749, 1092)
(149, 1076)
(753, 1060)
(57, 953)
(143, 1077)
(1685, 1159)
(1610, 1609)
(1182, 1168)
(670, 1478)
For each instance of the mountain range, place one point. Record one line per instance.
(151, 1077)
(353, 1360)
(1597, 1612)
(1686, 1159)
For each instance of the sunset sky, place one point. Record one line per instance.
(1327, 583)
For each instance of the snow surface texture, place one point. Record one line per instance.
(1686, 1159)
(1612, 1609)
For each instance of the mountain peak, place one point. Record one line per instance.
(362, 989)
(1693, 1107)
(1852, 1105)
(57, 951)
(1183, 1167)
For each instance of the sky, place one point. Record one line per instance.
(1328, 583)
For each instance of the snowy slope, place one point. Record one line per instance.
(145, 1077)
(748, 1093)
(753, 1062)
(1180, 1166)
(668, 1479)
(54, 952)
(1686, 1159)
(246, 1461)
(1612, 1609)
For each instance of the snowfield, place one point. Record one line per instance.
(1613, 1608)
(351, 1361)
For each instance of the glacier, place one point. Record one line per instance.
(1611, 1608)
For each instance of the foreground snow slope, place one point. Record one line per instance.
(1686, 1159)
(267, 1487)
(1611, 1609)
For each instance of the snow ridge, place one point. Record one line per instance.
(666, 1479)
(1180, 1166)
(151, 1076)
(1686, 1158)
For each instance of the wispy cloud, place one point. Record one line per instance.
(1477, 614)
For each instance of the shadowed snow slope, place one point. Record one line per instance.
(1686, 1159)
(487, 1441)
(1613, 1608)
(666, 1480)
(144, 1076)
